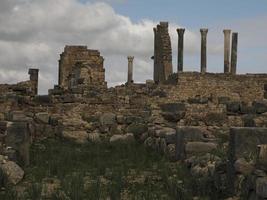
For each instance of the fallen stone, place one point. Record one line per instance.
(199, 147)
(243, 167)
(12, 172)
(79, 137)
(125, 139)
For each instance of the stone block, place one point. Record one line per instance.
(198, 100)
(108, 119)
(168, 133)
(244, 141)
(184, 135)
(123, 139)
(79, 137)
(173, 112)
(13, 173)
(248, 121)
(233, 107)
(137, 129)
(42, 117)
(215, 119)
(260, 106)
(199, 147)
(42, 99)
(223, 100)
(18, 138)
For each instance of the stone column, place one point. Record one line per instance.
(234, 53)
(227, 37)
(130, 69)
(204, 33)
(155, 73)
(180, 56)
(34, 80)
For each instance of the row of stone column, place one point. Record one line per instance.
(229, 67)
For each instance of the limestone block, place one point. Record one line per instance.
(18, 137)
(199, 147)
(12, 172)
(124, 139)
(42, 117)
(79, 137)
(260, 106)
(108, 119)
(173, 111)
(169, 134)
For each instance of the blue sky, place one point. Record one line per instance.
(190, 13)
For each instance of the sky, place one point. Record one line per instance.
(34, 32)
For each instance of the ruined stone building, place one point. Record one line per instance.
(80, 66)
(162, 53)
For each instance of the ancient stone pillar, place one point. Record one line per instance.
(227, 37)
(204, 33)
(234, 53)
(34, 80)
(130, 69)
(155, 57)
(180, 56)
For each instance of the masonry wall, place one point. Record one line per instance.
(247, 88)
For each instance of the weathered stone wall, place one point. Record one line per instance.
(25, 88)
(247, 88)
(162, 53)
(90, 61)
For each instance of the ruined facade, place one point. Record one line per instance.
(162, 53)
(80, 66)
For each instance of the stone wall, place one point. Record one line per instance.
(162, 53)
(25, 88)
(246, 88)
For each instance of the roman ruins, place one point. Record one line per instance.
(212, 123)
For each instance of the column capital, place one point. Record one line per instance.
(130, 58)
(204, 31)
(180, 31)
(227, 31)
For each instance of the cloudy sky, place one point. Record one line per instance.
(34, 32)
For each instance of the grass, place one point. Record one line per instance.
(99, 171)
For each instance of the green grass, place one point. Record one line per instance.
(98, 171)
